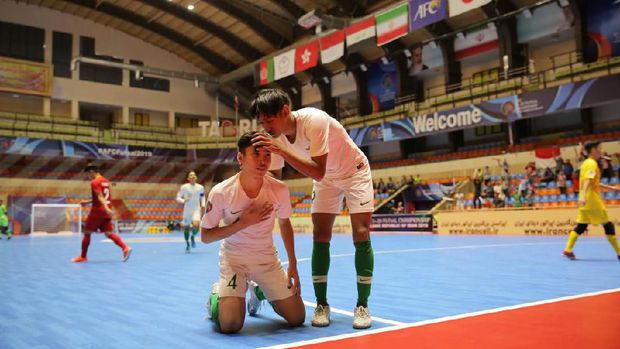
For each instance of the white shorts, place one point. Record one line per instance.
(189, 217)
(270, 277)
(327, 194)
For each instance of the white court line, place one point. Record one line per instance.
(350, 313)
(438, 320)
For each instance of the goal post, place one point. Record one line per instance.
(56, 219)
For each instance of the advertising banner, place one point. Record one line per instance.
(577, 95)
(602, 22)
(25, 77)
(402, 222)
(382, 84)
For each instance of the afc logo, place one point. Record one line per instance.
(428, 8)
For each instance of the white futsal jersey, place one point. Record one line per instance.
(227, 200)
(318, 134)
(192, 196)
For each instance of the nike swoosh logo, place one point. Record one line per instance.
(364, 203)
(231, 212)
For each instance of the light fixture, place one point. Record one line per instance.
(385, 61)
(294, 90)
(196, 83)
(137, 75)
(527, 13)
(563, 3)
(363, 67)
(326, 79)
(407, 53)
(190, 7)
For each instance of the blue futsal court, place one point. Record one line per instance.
(157, 299)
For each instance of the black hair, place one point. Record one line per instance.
(245, 140)
(190, 171)
(268, 102)
(591, 145)
(91, 167)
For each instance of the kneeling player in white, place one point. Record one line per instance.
(248, 203)
(192, 196)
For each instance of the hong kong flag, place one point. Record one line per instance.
(306, 56)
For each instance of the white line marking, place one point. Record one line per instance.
(350, 313)
(442, 319)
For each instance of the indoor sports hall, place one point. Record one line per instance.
(412, 174)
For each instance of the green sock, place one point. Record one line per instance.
(215, 314)
(320, 268)
(194, 232)
(364, 265)
(186, 235)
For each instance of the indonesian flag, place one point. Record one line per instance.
(284, 64)
(332, 46)
(461, 6)
(265, 71)
(359, 33)
(545, 157)
(392, 24)
(306, 56)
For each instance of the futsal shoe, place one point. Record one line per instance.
(193, 243)
(321, 316)
(254, 303)
(361, 318)
(571, 255)
(188, 249)
(79, 259)
(126, 253)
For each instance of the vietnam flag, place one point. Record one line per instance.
(306, 56)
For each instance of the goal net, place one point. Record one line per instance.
(56, 219)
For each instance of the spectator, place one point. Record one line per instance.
(411, 181)
(500, 197)
(568, 169)
(548, 175)
(381, 186)
(391, 186)
(523, 185)
(399, 208)
(606, 168)
(418, 180)
(529, 197)
(559, 164)
(477, 192)
(517, 198)
(403, 181)
(487, 176)
(561, 181)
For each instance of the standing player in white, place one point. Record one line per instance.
(318, 146)
(249, 202)
(192, 196)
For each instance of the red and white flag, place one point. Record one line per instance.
(306, 56)
(457, 7)
(545, 157)
(332, 46)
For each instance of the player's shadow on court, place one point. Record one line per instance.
(598, 260)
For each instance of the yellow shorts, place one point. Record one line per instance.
(592, 216)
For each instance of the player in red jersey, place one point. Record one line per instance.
(100, 215)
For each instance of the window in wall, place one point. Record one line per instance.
(148, 82)
(22, 42)
(62, 47)
(142, 119)
(488, 130)
(186, 122)
(480, 78)
(95, 72)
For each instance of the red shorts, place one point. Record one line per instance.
(96, 221)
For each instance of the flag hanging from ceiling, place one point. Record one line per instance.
(332, 46)
(284, 64)
(265, 71)
(392, 24)
(461, 6)
(360, 34)
(426, 12)
(306, 56)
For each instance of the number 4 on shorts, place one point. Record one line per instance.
(233, 282)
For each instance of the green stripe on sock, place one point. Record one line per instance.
(320, 268)
(364, 266)
(215, 311)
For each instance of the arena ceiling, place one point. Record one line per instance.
(221, 36)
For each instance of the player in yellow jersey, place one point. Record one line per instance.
(591, 207)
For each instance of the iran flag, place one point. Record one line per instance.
(545, 157)
(461, 6)
(332, 46)
(392, 24)
(306, 56)
(284, 64)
